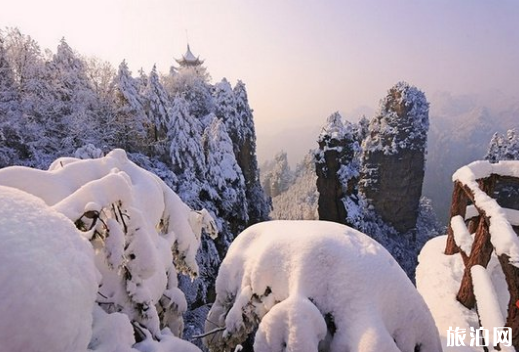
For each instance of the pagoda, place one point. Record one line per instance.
(189, 60)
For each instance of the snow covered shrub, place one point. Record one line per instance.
(142, 235)
(48, 280)
(316, 285)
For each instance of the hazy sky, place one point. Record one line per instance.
(301, 60)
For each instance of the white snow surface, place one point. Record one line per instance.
(461, 234)
(290, 275)
(487, 300)
(145, 235)
(48, 280)
(502, 235)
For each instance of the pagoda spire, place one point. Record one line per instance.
(189, 60)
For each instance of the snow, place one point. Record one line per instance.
(402, 122)
(141, 234)
(48, 278)
(487, 300)
(334, 128)
(188, 56)
(461, 234)
(502, 235)
(438, 278)
(294, 276)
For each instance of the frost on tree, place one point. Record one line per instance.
(75, 101)
(394, 156)
(186, 152)
(315, 285)
(505, 147)
(157, 108)
(10, 112)
(299, 202)
(129, 111)
(279, 178)
(142, 235)
(258, 206)
(227, 186)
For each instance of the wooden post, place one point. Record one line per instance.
(458, 207)
(480, 255)
(512, 280)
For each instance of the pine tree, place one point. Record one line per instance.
(259, 206)
(129, 111)
(10, 113)
(224, 175)
(505, 147)
(226, 109)
(193, 87)
(37, 97)
(157, 110)
(278, 179)
(76, 102)
(186, 152)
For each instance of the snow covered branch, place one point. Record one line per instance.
(142, 234)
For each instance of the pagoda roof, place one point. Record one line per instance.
(188, 59)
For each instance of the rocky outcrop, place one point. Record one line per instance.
(329, 186)
(395, 186)
(337, 169)
(394, 157)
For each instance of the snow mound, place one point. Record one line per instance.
(309, 285)
(142, 235)
(48, 279)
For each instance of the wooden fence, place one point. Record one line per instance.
(467, 204)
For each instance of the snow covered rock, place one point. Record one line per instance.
(393, 160)
(309, 285)
(48, 279)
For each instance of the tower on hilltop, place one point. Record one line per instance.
(189, 60)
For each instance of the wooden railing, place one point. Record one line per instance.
(473, 211)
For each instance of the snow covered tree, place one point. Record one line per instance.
(135, 235)
(186, 151)
(193, 87)
(10, 113)
(37, 95)
(101, 75)
(168, 81)
(505, 147)
(225, 108)
(142, 81)
(76, 102)
(157, 109)
(225, 176)
(312, 302)
(300, 201)
(279, 178)
(129, 111)
(394, 156)
(257, 202)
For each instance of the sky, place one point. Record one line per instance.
(301, 60)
